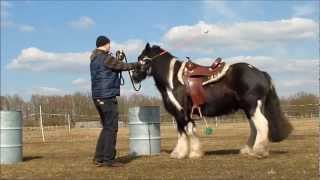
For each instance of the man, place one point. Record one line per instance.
(105, 86)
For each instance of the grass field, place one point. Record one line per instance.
(69, 156)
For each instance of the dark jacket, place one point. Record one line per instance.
(105, 69)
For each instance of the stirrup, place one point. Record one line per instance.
(199, 111)
(200, 114)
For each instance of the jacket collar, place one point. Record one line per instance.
(95, 52)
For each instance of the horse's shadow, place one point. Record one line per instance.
(237, 151)
(215, 152)
(223, 152)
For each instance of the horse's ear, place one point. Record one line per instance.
(147, 46)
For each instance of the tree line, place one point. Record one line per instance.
(80, 105)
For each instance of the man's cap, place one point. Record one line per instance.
(102, 40)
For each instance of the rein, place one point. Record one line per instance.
(130, 75)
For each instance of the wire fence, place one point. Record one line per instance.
(50, 122)
(293, 112)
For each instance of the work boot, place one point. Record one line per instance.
(109, 164)
(95, 161)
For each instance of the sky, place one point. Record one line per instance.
(45, 45)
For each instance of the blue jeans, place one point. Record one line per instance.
(106, 144)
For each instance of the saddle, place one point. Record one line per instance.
(195, 76)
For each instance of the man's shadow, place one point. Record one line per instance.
(30, 158)
(128, 158)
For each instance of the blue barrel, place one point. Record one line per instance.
(11, 137)
(144, 127)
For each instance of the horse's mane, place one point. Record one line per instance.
(157, 48)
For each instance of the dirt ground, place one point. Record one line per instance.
(69, 156)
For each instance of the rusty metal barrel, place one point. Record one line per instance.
(10, 137)
(144, 127)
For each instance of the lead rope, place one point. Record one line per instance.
(121, 79)
(130, 75)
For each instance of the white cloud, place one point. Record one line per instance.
(160, 26)
(82, 84)
(130, 47)
(35, 59)
(26, 28)
(299, 83)
(305, 10)
(4, 13)
(278, 65)
(289, 75)
(6, 23)
(47, 91)
(211, 8)
(83, 22)
(204, 37)
(5, 5)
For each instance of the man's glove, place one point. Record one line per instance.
(119, 55)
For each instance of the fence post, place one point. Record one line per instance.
(216, 118)
(41, 124)
(69, 123)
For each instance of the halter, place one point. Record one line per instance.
(148, 58)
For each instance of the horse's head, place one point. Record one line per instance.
(146, 58)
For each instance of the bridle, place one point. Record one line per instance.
(148, 58)
(143, 61)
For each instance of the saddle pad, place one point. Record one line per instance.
(216, 77)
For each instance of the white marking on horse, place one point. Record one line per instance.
(261, 125)
(181, 149)
(180, 73)
(173, 100)
(170, 74)
(195, 145)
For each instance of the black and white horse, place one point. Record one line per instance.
(242, 87)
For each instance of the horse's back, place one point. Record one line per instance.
(245, 78)
(242, 81)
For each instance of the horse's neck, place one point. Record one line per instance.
(166, 73)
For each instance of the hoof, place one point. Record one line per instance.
(176, 155)
(195, 155)
(246, 150)
(260, 152)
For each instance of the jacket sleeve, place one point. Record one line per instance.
(112, 63)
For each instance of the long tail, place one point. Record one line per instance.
(279, 126)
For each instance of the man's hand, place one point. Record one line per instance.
(112, 63)
(120, 55)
